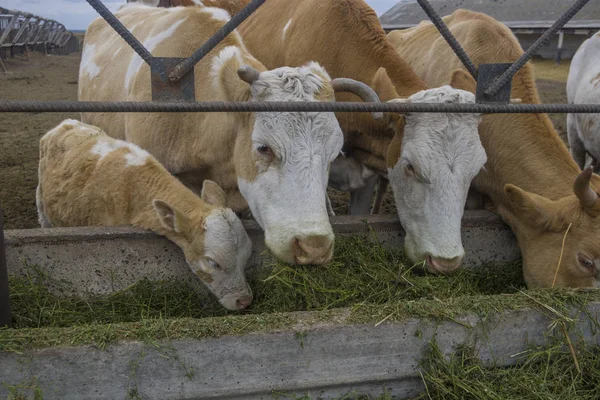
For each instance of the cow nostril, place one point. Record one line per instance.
(444, 265)
(243, 302)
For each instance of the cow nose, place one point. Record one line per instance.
(443, 265)
(314, 249)
(243, 302)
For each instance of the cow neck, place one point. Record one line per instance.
(527, 152)
(154, 182)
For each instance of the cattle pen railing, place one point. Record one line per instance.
(22, 31)
(173, 91)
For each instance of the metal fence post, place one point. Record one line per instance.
(5, 317)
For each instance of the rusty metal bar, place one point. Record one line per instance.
(186, 66)
(456, 47)
(5, 316)
(532, 50)
(297, 106)
(121, 30)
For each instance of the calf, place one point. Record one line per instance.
(583, 87)
(87, 178)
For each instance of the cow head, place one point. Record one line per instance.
(283, 158)
(559, 239)
(430, 171)
(216, 246)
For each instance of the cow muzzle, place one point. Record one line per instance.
(443, 265)
(313, 249)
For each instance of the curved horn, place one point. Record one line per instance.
(248, 74)
(587, 197)
(358, 88)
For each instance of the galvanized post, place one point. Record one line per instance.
(9, 28)
(5, 317)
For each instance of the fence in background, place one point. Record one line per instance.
(21, 32)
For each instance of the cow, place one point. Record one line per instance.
(274, 163)
(431, 158)
(87, 178)
(583, 87)
(530, 178)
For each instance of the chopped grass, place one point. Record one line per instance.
(361, 273)
(365, 283)
(547, 372)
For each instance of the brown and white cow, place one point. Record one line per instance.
(87, 178)
(278, 161)
(530, 177)
(432, 158)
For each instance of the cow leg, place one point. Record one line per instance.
(360, 199)
(42, 218)
(576, 146)
(382, 186)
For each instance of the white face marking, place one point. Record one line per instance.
(198, 3)
(87, 66)
(285, 28)
(218, 61)
(583, 87)
(135, 157)
(217, 13)
(441, 154)
(150, 44)
(228, 245)
(287, 198)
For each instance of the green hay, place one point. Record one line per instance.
(365, 283)
(543, 373)
(361, 273)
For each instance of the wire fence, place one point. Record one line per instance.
(21, 32)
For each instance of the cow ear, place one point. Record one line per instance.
(213, 194)
(535, 211)
(170, 218)
(461, 79)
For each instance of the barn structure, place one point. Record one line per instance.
(527, 19)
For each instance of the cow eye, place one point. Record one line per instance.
(409, 168)
(264, 150)
(214, 264)
(586, 262)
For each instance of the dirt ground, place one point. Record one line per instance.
(55, 78)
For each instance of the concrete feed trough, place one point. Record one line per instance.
(368, 349)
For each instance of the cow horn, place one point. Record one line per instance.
(358, 88)
(248, 74)
(587, 197)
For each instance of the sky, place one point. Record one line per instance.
(77, 14)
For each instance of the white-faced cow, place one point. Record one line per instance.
(530, 177)
(277, 161)
(87, 178)
(583, 87)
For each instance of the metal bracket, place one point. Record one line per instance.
(163, 89)
(486, 75)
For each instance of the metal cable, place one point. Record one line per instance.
(121, 30)
(222, 106)
(532, 50)
(441, 26)
(186, 66)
